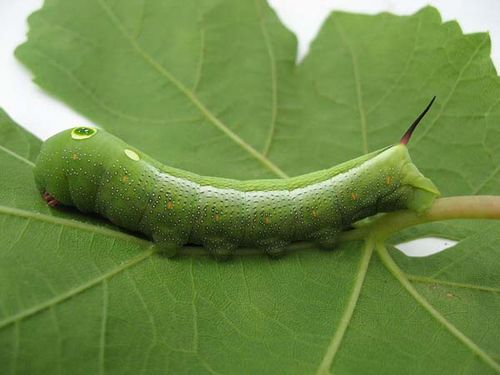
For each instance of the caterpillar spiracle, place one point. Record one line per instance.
(96, 172)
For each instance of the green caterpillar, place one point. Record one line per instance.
(94, 171)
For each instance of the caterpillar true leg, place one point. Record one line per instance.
(51, 201)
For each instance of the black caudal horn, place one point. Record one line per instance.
(407, 135)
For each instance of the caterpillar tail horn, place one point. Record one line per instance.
(407, 135)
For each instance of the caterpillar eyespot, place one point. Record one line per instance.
(83, 132)
(131, 154)
(94, 171)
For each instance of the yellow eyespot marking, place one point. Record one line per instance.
(314, 213)
(170, 205)
(354, 196)
(217, 217)
(388, 180)
(266, 220)
(83, 132)
(125, 178)
(132, 154)
(74, 156)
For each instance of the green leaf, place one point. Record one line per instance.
(213, 87)
(18, 150)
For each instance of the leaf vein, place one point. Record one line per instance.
(17, 156)
(102, 339)
(149, 313)
(77, 290)
(346, 317)
(274, 81)
(199, 66)
(359, 89)
(394, 269)
(428, 128)
(404, 70)
(430, 280)
(11, 211)
(486, 180)
(100, 102)
(194, 309)
(189, 94)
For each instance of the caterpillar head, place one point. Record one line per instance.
(423, 190)
(62, 156)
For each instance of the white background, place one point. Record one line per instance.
(44, 116)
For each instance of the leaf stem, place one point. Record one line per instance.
(459, 207)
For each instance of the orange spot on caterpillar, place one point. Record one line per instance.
(217, 217)
(266, 220)
(354, 196)
(314, 213)
(170, 205)
(388, 180)
(125, 178)
(74, 156)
